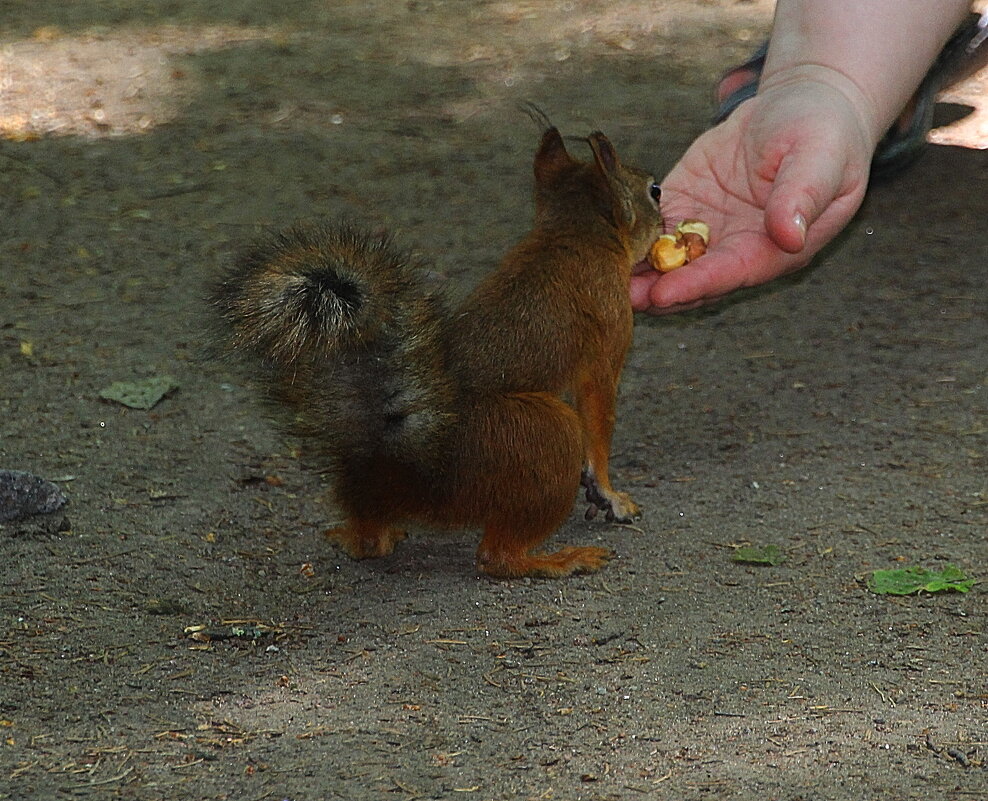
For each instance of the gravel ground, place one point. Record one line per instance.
(839, 414)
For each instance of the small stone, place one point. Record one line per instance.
(24, 495)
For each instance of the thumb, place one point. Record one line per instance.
(805, 185)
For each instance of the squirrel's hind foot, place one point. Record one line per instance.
(564, 562)
(366, 540)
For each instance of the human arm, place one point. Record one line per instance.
(788, 169)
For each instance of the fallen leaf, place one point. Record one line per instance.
(760, 555)
(907, 580)
(143, 394)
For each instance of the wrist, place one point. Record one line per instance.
(876, 53)
(809, 79)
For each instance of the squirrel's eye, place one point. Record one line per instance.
(655, 192)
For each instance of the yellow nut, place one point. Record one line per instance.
(695, 227)
(667, 253)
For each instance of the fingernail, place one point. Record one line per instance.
(800, 222)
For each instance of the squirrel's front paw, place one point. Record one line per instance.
(618, 506)
(622, 508)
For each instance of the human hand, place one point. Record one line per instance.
(776, 181)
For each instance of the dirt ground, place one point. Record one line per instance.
(839, 414)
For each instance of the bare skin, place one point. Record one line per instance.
(786, 172)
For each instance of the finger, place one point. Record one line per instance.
(718, 273)
(806, 184)
(682, 307)
(698, 281)
(642, 267)
(641, 288)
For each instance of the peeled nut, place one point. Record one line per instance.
(694, 245)
(695, 227)
(668, 253)
(674, 250)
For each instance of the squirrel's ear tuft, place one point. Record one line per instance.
(551, 156)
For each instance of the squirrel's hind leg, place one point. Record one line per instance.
(366, 539)
(538, 461)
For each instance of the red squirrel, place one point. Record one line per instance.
(489, 415)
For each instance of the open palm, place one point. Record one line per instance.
(776, 181)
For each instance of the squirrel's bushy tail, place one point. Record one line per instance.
(348, 335)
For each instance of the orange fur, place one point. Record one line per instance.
(482, 416)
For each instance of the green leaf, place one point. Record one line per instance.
(907, 580)
(140, 394)
(760, 555)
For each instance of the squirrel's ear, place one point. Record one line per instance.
(620, 206)
(551, 155)
(604, 153)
